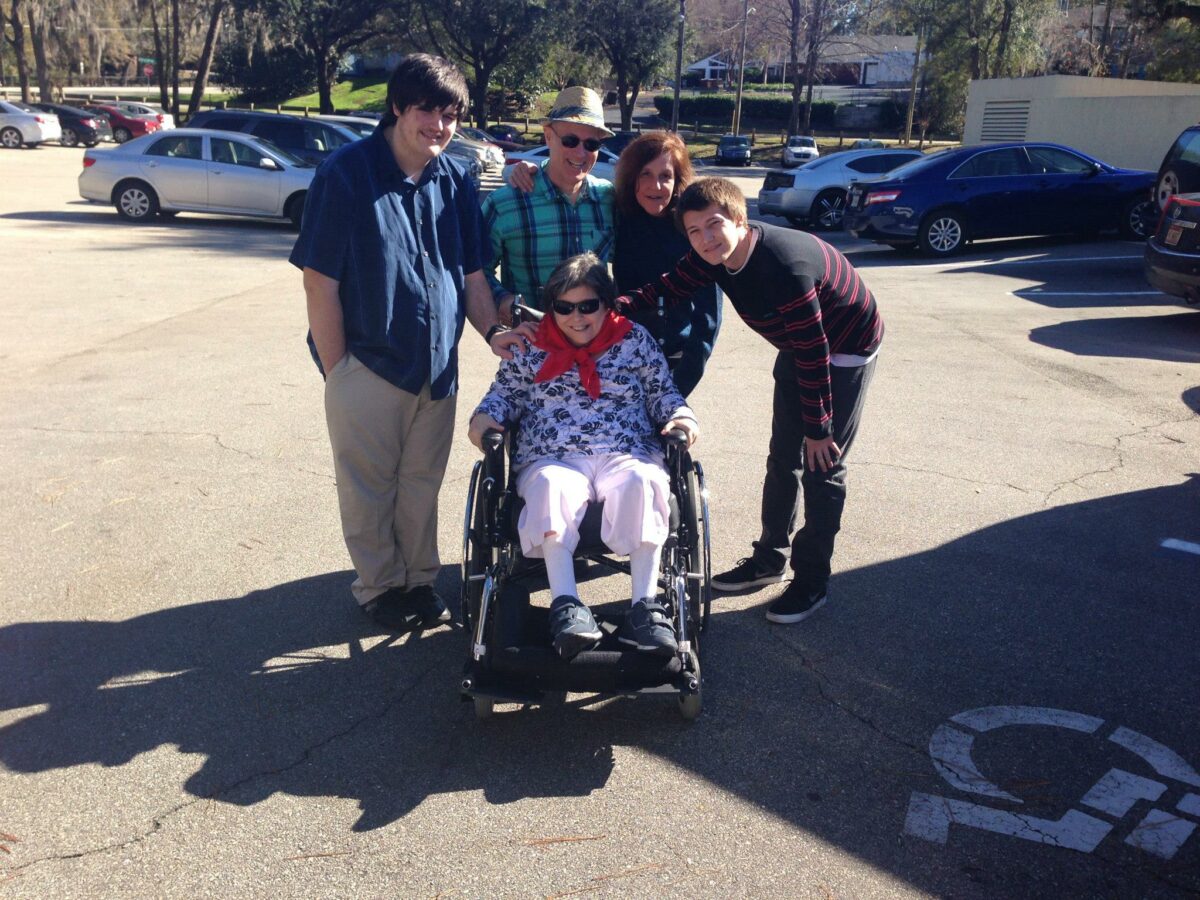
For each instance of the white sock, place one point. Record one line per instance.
(643, 566)
(560, 568)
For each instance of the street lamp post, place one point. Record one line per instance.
(737, 105)
(678, 65)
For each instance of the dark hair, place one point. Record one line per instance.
(639, 154)
(584, 270)
(425, 81)
(706, 192)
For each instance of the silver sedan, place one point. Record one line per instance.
(197, 170)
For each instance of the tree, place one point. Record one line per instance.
(635, 37)
(18, 45)
(204, 66)
(481, 35)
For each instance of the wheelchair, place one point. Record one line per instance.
(511, 657)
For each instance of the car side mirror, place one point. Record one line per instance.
(1097, 169)
(267, 163)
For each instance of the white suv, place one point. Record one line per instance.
(798, 151)
(815, 196)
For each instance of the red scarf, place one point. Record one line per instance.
(562, 355)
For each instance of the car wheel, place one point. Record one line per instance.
(828, 210)
(121, 135)
(1168, 187)
(69, 138)
(797, 222)
(1138, 220)
(942, 233)
(10, 138)
(295, 211)
(135, 201)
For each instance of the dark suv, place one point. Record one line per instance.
(1180, 169)
(309, 139)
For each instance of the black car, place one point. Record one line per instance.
(1180, 169)
(621, 140)
(79, 126)
(310, 139)
(506, 133)
(1172, 254)
(948, 198)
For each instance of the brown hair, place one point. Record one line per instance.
(706, 192)
(427, 82)
(583, 270)
(642, 151)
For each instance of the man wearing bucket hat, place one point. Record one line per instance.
(568, 211)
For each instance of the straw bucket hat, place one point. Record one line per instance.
(578, 105)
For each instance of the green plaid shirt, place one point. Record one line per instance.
(532, 233)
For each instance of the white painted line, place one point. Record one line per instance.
(987, 718)
(1163, 760)
(1185, 546)
(1028, 294)
(950, 751)
(1161, 833)
(930, 817)
(1033, 261)
(1118, 791)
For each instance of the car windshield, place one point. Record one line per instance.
(24, 107)
(801, 142)
(735, 142)
(290, 158)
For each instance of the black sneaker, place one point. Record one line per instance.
(394, 610)
(572, 626)
(648, 627)
(796, 603)
(747, 573)
(429, 606)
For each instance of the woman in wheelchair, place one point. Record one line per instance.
(589, 397)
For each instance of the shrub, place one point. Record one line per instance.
(719, 108)
(272, 76)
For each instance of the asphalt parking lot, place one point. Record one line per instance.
(998, 701)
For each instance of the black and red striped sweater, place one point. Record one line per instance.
(799, 293)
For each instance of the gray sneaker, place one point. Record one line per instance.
(572, 627)
(648, 628)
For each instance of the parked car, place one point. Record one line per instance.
(1172, 256)
(197, 170)
(620, 140)
(78, 126)
(507, 133)
(798, 150)
(145, 111)
(733, 150)
(488, 155)
(124, 126)
(21, 123)
(310, 139)
(484, 137)
(949, 198)
(1180, 169)
(605, 167)
(360, 125)
(866, 144)
(815, 196)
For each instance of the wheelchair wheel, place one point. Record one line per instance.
(700, 551)
(691, 704)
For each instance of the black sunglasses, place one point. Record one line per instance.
(565, 307)
(571, 141)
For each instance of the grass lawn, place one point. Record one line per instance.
(368, 93)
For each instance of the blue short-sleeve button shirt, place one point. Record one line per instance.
(401, 252)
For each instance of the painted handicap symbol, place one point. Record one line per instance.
(1160, 832)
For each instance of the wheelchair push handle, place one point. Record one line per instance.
(522, 312)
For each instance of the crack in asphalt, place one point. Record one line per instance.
(141, 433)
(1116, 449)
(919, 471)
(159, 820)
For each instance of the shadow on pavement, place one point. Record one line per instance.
(825, 725)
(1173, 338)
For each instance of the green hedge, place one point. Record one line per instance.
(719, 107)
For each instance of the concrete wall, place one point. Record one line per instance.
(1124, 122)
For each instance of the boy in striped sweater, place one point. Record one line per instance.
(806, 299)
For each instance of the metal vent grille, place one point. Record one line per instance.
(1005, 120)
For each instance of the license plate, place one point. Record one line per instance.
(1173, 235)
(854, 195)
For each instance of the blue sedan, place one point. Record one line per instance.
(944, 200)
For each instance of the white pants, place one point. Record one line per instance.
(635, 493)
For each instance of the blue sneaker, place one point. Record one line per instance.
(648, 628)
(573, 628)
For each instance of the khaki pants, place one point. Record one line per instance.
(390, 449)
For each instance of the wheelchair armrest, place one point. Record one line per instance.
(493, 440)
(524, 313)
(676, 436)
